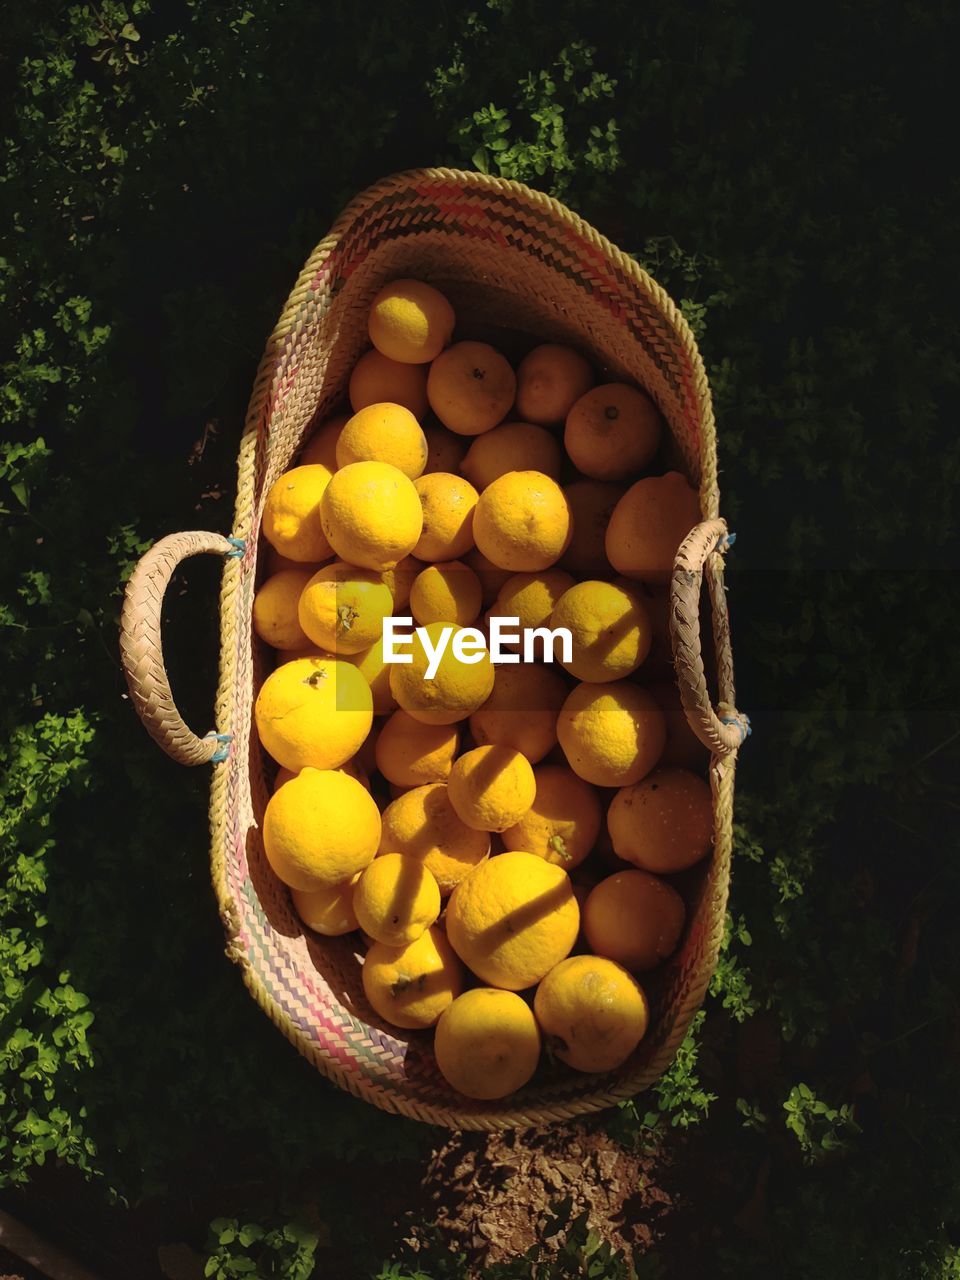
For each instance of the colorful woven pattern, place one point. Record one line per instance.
(503, 254)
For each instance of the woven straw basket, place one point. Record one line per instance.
(503, 254)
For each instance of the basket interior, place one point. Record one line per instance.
(521, 277)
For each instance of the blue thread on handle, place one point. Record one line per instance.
(223, 752)
(726, 541)
(240, 545)
(743, 725)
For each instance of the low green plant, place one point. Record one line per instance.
(236, 1250)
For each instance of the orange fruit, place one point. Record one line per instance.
(611, 734)
(384, 432)
(513, 446)
(549, 381)
(612, 432)
(634, 918)
(410, 753)
(471, 387)
(377, 379)
(532, 597)
(448, 503)
(487, 1043)
(423, 824)
(275, 617)
(648, 524)
(591, 506)
(522, 710)
(663, 823)
(447, 592)
(491, 787)
(410, 321)
(593, 1013)
(564, 820)
(522, 522)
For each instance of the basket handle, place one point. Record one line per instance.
(725, 732)
(142, 653)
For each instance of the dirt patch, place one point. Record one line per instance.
(489, 1194)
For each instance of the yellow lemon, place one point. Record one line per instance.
(328, 910)
(376, 379)
(549, 382)
(491, 788)
(411, 986)
(522, 710)
(532, 597)
(396, 899)
(456, 689)
(487, 1043)
(592, 1013)
(512, 919)
(612, 734)
(410, 321)
(612, 432)
(322, 446)
(423, 824)
(513, 446)
(321, 828)
(376, 672)
(291, 514)
(445, 451)
(447, 592)
(410, 753)
(522, 522)
(384, 433)
(371, 514)
(648, 524)
(313, 712)
(275, 618)
(563, 823)
(609, 628)
(664, 823)
(634, 918)
(591, 506)
(448, 504)
(471, 387)
(342, 608)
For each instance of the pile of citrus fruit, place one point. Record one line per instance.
(503, 835)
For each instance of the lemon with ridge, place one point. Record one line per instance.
(412, 985)
(396, 899)
(512, 919)
(611, 734)
(522, 522)
(448, 503)
(564, 821)
(329, 909)
(592, 1012)
(384, 432)
(410, 753)
(422, 823)
(410, 321)
(609, 627)
(275, 616)
(491, 787)
(342, 608)
(457, 688)
(487, 1043)
(522, 709)
(371, 514)
(320, 829)
(291, 514)
(313, 712)
(634, 918)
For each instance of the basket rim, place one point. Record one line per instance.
(722, 771)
